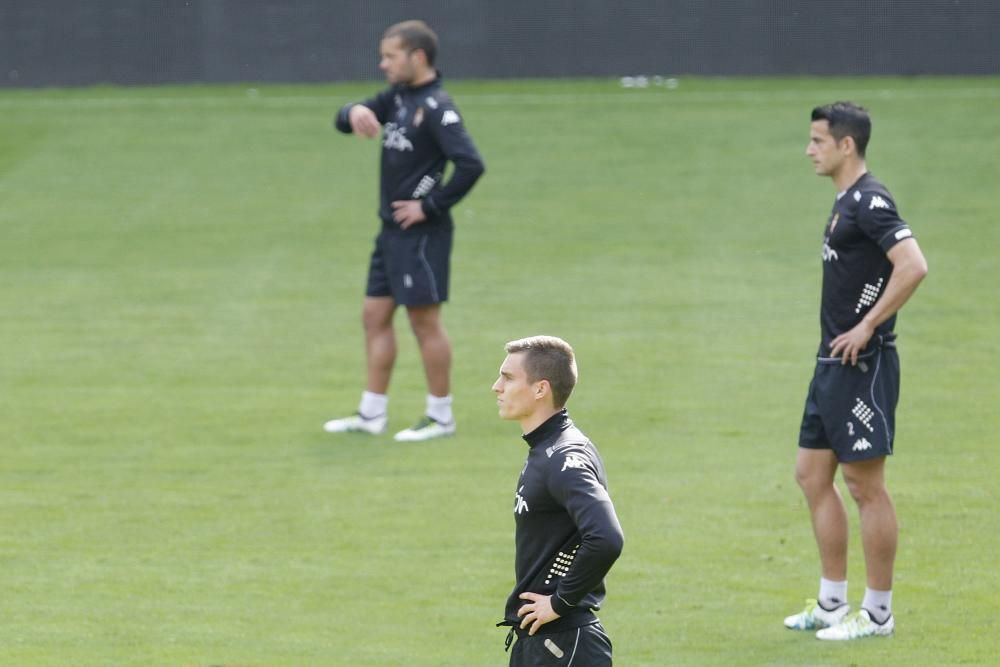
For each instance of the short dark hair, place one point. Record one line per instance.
(847, 119)
(548, 358)
(415, 35)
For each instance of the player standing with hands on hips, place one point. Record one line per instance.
(421, 132)
(567, 535)
(871, 267)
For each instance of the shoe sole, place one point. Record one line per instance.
(353, 430)
(430, 437)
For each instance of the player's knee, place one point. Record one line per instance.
(814, 483)
(425, 322)
(809, 484)
(375, 321)
(805, 477)
(865, 481)
(864, 491)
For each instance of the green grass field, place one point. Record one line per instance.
(181, 272)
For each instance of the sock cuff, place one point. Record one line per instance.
(433, 400)
(372, 404)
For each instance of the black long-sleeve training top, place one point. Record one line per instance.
(567, 533)
(421, 132)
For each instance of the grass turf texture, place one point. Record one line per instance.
(181, 271)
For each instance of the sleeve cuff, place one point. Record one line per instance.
(560, 606)
(341, 121)
(429, 208)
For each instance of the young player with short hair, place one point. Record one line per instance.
(567, 535)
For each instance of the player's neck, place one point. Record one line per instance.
(424, 78)
(848, 174)
(539, 417)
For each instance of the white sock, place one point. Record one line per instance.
(373, 405)
(439, 408)
(832, 594)
(878, 604)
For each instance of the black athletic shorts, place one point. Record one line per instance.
(412, 266)
(852, 409)
(585, 646)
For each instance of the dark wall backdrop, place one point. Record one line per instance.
(80, 42)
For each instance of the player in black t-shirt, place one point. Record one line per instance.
(421, 132)
(567, 535)
(871, 266)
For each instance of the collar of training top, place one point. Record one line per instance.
(558, 422)
(436, 81)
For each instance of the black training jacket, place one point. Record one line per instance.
(567, 533)
(421, 132)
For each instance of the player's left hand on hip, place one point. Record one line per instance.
(408, 212)
(537, 612)
(850, 343)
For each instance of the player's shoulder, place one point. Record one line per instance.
(572, 449)
(440, 106)
(869, 195)
(437, 97)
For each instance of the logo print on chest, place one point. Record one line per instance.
(395, 138)
(520, 504)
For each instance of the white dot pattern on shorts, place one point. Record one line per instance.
(864, 414)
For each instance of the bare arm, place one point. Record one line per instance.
(908, 268)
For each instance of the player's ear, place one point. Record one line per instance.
(848, 145)
(420, 55)
(542, 389)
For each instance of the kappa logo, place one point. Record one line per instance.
(450, 117)
(861, 445)
(520, 504)
(878, 202)
(829, 254)
(574, 461)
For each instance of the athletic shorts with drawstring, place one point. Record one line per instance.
(585, 646)
(852, 409)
